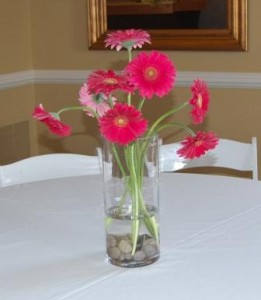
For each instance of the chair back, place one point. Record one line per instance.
(228, 154)
(48, 166)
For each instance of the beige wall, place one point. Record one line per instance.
(52, 35)
(15, 33)
(17, 103)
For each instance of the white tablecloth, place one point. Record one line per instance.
(52, 242)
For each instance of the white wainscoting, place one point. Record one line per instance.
(214, 79)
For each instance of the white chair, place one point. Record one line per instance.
(48, 166)
(228, 154)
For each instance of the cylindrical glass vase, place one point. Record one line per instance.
(131, 198)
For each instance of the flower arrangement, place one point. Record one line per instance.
(151, 74)
(121, 122)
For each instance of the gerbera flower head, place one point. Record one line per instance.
(199, 101)
(51, 120)
(152, 73)
(122, 124)
(128, 39)
(106, 82)
(197, 145)
(99, 103)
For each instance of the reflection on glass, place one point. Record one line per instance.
(167, 14)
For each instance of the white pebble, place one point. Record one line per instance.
(111, 241)
(125, 246)
(114, 252)
(149, 250)
(139, 256)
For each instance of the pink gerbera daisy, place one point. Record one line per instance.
(122, 124)
(105, 82)
(100, 103)
(130, 38)
(151, 74)
(51, 120)
(199, 101)
(197, 145)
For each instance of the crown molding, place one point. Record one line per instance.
(213, 79)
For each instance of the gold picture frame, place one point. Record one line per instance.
(232, 38)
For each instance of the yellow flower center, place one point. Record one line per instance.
(151, 73)
(121, 121)
(199, 101)
(111, 81)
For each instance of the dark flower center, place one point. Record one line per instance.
(98, 99)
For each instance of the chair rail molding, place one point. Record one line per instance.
(239, 80)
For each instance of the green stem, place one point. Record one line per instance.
(129, 55)
(130, 59)
(115, 153)
(177, 124)
(83, 108)
(141, 104)
(149, 221)
(129, 98)
(124, 175)
(164, 116)
(135, 199)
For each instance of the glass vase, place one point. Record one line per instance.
(131, 199)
